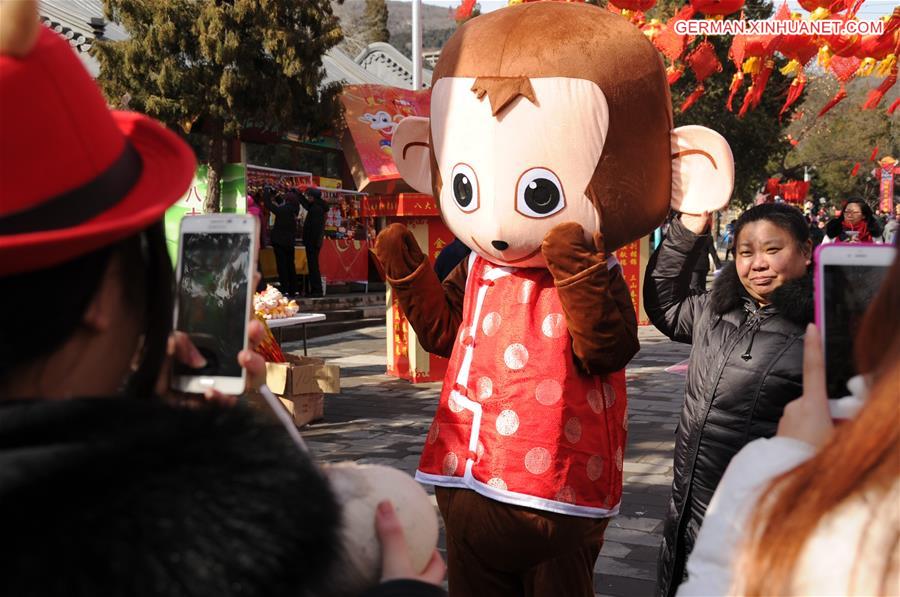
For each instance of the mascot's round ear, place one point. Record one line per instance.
(702, 170)
(412, 153)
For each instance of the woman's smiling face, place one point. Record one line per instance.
(767, 257)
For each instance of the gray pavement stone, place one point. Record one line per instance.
(380, 419)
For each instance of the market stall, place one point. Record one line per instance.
(343, 257)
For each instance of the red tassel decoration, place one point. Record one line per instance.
(760, 81)
(877, 94)
(737, 81)
(855, 170)
(874, 154)
(692, 98)
(674, 73)
(893, 107)
(794, 92)
(748, 99)
(841, 94)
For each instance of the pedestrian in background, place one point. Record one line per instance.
(283, 235)
(313, 235)
(855, 224)
(701, 268)
(746, 360)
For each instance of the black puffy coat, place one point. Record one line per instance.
(746, 365)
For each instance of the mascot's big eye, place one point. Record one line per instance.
(539, 194)
(465, 187)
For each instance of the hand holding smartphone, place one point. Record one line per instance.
(847, 278)
(214, 279)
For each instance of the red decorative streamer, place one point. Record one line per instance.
(894, 107)
(855, 170)
(877, 94)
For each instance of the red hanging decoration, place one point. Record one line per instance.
(855, 170)
(692, 98)
(794, 93)
(736, 82)
(633, 5)
(877, 94)
(674, 72)
(874, 154)
(894, 107)
(669, 43)
(717, 8)
(464, 10)
(841, 94)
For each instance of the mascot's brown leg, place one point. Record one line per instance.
(499, 550)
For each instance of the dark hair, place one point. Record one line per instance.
(63, 292)
(135, 497)
(789, 219)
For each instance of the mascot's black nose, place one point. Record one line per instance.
(500, 245)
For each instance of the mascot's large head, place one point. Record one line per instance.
(553, 112)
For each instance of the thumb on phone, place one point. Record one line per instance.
(808, 418)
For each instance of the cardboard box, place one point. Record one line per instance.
(302, 375)
(303, 408)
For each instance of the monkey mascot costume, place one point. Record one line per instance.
(550, 145)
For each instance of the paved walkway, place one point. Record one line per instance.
(380, 419)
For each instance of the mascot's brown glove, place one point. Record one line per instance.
(399, 253)
(596, 301)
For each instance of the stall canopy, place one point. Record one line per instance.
(372, 113)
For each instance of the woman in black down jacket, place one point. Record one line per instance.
(746, 361)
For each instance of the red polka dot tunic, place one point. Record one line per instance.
(517, 421)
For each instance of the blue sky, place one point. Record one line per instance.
(872, 9)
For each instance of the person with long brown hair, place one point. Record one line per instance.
(815, 510)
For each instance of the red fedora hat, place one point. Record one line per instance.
(75, 176)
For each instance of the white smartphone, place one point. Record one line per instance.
(847, 278)
(216, 263)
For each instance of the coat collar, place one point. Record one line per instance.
(793, 300)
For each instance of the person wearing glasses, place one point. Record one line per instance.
(855, 224)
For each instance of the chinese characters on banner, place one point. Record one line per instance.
(633, 260)
(888, 168)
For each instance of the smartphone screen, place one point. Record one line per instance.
(849, 289)
(212, 298)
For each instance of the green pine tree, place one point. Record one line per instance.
(228, 65)
(374, 25)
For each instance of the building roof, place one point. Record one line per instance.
(390, 65)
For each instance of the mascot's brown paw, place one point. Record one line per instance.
(398, 251)
(568, 252)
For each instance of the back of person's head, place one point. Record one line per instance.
(314, 194)
(859, 460)
(203, 502)
(786, 217)
(40, 310)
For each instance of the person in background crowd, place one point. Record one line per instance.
(728, 239)
(701, 268)
(855, 224)
(110, 485)
(314, 235)
(746, 359)
(449, 257)
(892, 226)
(813, 511)
(816, 235)
(283, 235)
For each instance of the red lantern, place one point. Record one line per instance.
(822, 9)
(717, 8)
